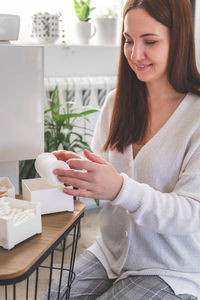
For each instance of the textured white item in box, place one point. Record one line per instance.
(5, 182)
(14, 231)
(51, 198)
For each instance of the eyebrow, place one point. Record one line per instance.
(143, 35)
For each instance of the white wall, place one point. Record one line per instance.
(66, 61)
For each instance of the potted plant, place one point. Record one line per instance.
(106, 23)
(61, 131)
(83, 10)
(45, 27)
(84, 29)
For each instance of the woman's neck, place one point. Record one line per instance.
(161, 92)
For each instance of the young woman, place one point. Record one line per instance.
(146, 163)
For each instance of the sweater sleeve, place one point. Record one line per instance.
(175, 213)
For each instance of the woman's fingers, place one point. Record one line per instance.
(88, 164)
(71, 158)
(93, 157)
(65, 155)
(60, 155)
(81, 164)
(78, 193)
(68, 176)
(75, 182)
(65, 175)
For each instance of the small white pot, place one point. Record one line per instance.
(9, 27)
(106, 31)
(45, 28)
(84, 32)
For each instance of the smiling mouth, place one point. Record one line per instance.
(142, 67)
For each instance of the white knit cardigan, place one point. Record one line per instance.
(153, 226)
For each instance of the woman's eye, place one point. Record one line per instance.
(128, 42)
(150, 42)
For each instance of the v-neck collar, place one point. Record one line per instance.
(162, 129)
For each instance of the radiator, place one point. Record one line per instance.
(81, 91)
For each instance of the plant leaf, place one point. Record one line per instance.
(55, 103)
(75, 115)
(52, 108)
(97, 202)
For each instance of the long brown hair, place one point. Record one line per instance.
(130, 111)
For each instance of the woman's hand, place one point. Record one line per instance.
(94, 177)
(65, 155)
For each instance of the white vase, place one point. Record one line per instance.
(106, 31)
(84, 32)
(9, 27)
(45, 28)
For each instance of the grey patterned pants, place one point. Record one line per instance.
(91, 283)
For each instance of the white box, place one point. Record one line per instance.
(5, 182)
(51, 198)
(18, 226)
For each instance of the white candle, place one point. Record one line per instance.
(46, 163)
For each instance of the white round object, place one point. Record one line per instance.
(46, 163)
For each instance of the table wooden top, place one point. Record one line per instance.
(21, 258)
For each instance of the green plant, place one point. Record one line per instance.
(83, 9)
(42, 24)
(62, 131)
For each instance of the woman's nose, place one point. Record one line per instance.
(137, 52)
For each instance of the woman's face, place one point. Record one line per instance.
(146, 47)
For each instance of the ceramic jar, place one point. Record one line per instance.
(45, 27)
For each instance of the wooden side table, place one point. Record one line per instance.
(19, 263)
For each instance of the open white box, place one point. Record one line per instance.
(5, 182)
(51, 198)
(13, 232)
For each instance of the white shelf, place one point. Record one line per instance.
(78, 60)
